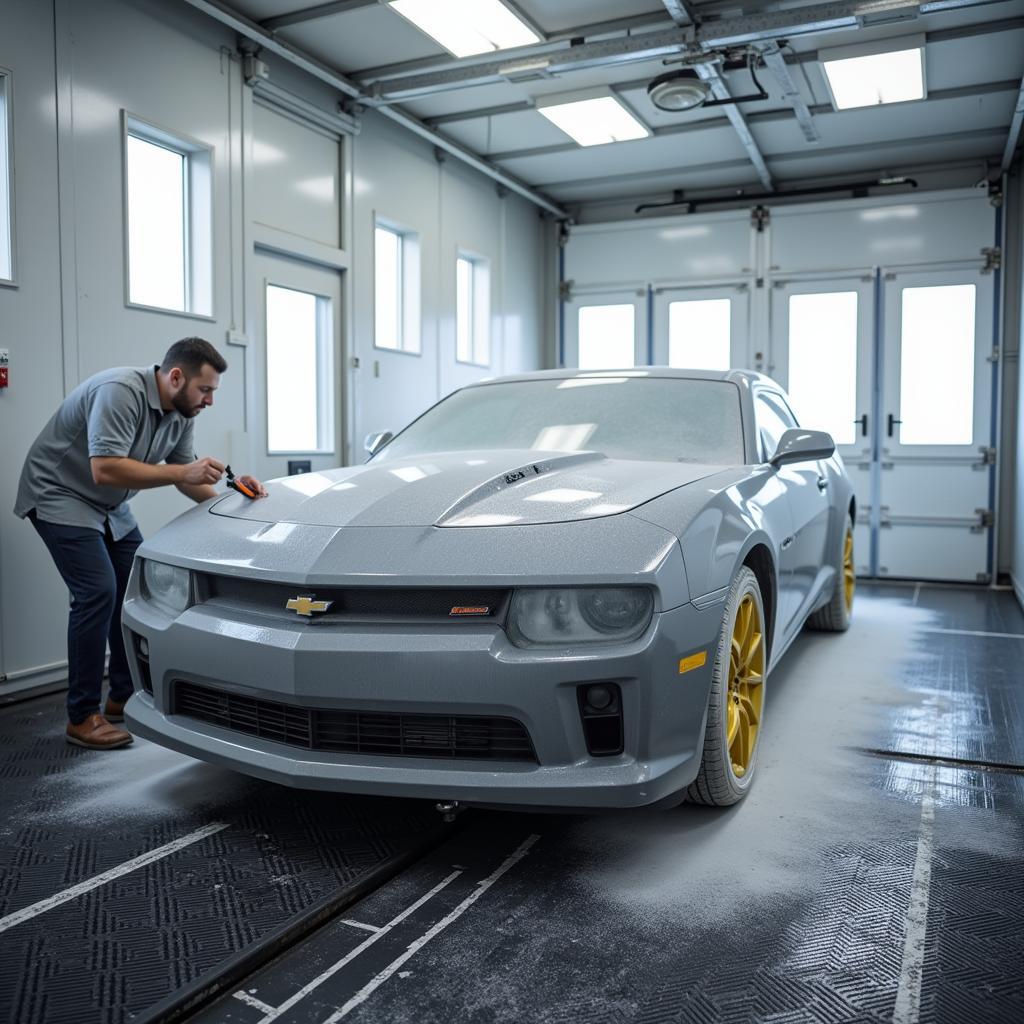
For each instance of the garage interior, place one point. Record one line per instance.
(424, 198)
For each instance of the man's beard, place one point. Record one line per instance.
(181, 403)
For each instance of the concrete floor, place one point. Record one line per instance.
(873, 874)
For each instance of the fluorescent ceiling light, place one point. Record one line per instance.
(466, 27)
(594, 120)
(868, 79)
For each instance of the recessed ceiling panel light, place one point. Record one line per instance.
(867, 79)
(466, 27)
(592, 120)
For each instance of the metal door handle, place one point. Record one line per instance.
(892, 422)
(863, 421)
(822, 483)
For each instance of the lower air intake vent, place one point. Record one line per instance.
(360, 732)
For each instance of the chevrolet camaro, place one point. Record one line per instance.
(561, 589)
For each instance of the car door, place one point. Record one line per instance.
(806, 485)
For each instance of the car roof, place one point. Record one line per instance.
(748, 377)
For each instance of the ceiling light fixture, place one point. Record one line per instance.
(685, 89)
(592, 118)
(467, 27)
(866, 75)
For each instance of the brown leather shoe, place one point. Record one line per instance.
(113, 711)
(97, 733)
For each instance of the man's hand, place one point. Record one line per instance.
(253, 485)
(202, 471)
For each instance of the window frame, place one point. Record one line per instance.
(480, 308)
(8, 238)
(410, 340)
(198, 216)
(765, 395)
(326, 413)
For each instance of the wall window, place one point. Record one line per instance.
(396, 288)
(607, 337)
(169, 224)
(300, 413)
(472, 311)
(6, 199)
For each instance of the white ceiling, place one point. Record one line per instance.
(974, 67)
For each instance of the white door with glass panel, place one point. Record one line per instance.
(823, 355)
(298, 413)
(606, 331)
(702, 328)
(936, 409)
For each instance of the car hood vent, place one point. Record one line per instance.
(466, 489)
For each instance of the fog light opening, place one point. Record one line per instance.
(601, 717)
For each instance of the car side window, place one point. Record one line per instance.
(773, 420)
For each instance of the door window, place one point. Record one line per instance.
(937, 365)
(823, 361)
(699, 333)
(607, 337)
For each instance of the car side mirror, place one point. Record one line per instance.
(798, 445)
(374, 442)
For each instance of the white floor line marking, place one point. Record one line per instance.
(367, 990)
(108, 876)
(254, 1002)
(977, 632)
(908, 995)
(917, 593)
(362, 947)
(359, 924)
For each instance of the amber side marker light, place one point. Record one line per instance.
(473, 609)
(692, 662)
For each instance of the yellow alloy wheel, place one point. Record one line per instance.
(746, 692)
(849, 573)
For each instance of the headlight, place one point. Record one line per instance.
(167, 587)
(595, 615)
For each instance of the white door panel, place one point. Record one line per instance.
(936, 423)
(919, 550)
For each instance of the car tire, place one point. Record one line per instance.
(834, 617)
(735, 706)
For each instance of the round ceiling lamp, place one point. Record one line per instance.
(678, 90)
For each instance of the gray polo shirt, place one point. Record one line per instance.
(114, 413)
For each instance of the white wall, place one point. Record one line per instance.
(1014, 335)
(66, 317)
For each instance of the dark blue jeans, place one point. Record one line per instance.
(95, 568)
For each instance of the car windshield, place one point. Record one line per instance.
(668, 419)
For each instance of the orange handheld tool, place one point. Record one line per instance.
(237, 486)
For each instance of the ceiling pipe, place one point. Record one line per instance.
(250, 30)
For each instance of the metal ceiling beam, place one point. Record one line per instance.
(551, 41)
(681, 12)
(226, 15)
(776, 64)
(709, 73)
(757, 117)
(603, 53)
(669, 42)
(973, 135)
(313, 13)
(1015, 126)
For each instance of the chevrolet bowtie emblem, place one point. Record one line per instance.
(306, 606)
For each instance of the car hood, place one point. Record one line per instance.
(466, 489)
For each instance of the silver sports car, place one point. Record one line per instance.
(563, 588)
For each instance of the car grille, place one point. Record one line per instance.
(359, 732)
(380, 604)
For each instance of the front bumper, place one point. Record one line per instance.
(472, 670)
